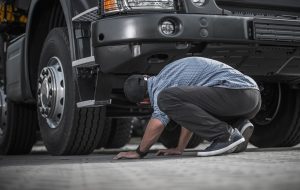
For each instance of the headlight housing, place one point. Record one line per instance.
(199, 3)
(112, 6)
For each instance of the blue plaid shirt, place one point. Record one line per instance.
(195, 71)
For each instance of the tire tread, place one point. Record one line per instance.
(22, 128)
(120, 133)
(284, 131)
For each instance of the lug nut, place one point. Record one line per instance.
(45, 72)
(50, 92)
(46, 112)
(39, 103)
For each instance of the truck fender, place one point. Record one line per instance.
(31, 57)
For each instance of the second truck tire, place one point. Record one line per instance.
(18, 128)
(278, 123)
(120, 133)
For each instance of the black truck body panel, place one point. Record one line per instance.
(260, 38)
(275, 4)
(191, 27)
(80, 6)
(246, 43)
(23, 4)
(132, 30)
(32, 29)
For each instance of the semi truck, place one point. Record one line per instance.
(64, 63)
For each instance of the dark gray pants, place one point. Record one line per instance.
(207, 111)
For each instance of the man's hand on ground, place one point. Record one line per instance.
(127, 155)
(152, 133)
(171, 151)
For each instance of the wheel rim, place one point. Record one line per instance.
(51, 92)
(271, 100)
(3, 111)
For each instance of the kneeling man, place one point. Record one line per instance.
(202, 95)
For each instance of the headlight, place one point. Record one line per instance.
(199, 3)
(110, 6)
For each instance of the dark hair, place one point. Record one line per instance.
(135, 88)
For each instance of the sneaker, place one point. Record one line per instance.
(246, 128)
(222, 147)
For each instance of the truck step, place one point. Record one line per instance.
(89, 15)
(93, 103)
(85, 62)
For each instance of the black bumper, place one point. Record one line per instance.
(131, 44)
(192, 27)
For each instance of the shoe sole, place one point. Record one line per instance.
(221, 151)
(246, 131)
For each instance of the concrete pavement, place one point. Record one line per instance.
(260, 169)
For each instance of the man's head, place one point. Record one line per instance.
(135, 88)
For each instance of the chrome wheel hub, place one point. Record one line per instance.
(3, 112)
(51, 92)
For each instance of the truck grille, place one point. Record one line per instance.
(277, 30)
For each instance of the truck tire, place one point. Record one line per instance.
(18, 127)
(139, 126)
(2, 58)
(278, 122)
(65, 129)
(120, 133)
(170, 137)
(105, 134)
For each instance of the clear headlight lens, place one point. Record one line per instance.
(199, 3)
(150, 4)
(127, 5)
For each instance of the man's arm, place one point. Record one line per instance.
(185, 136)
(152, 134)
(184, 139)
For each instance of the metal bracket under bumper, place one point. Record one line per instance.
(94, 86)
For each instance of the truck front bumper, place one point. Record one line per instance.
(136, 43)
